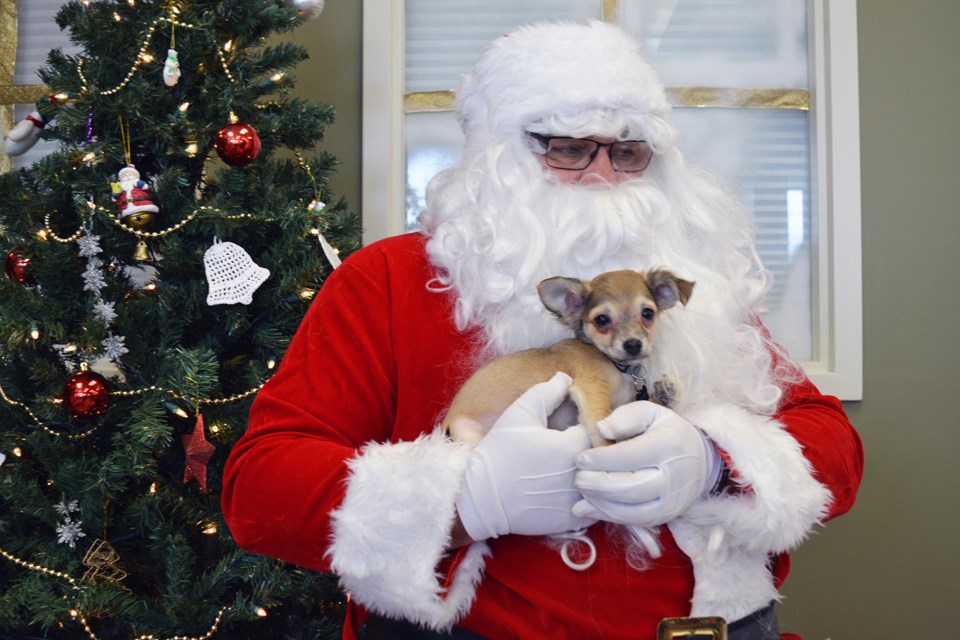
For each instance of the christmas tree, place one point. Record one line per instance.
(156, 265)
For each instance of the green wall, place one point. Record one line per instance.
(889, 569)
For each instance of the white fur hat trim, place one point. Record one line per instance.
(549, 76)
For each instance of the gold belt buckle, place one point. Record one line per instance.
(670, 628)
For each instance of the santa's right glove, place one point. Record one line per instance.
(520, 475)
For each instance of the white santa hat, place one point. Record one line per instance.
(564, 78)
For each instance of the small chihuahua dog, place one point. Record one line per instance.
(613, 318)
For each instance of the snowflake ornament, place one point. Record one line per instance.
(104, 311)
(89, 245)
(93, 276)
(65, 508)
(113, 347)
(69, 532)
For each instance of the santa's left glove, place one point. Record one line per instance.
(520, 475)
(658, 466)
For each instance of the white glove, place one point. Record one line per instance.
(520, 475)
(658, 466)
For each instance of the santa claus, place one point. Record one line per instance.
(132, 194)
(570, 168)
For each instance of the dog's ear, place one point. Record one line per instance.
(565, 297)
(668, 289)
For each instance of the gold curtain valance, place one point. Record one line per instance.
(715, 97)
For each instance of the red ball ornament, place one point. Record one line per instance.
(86, 395)
(238, 144)
(16, 267)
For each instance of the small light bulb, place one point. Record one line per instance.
(183, 107)
(42, 234)
(34, 331)
(228, 45)
(17, 452)
(153, 488)
(116, 16)
(271, 362)
(261, 612)
(307, 294)
(278, 76)
(146, 57)
(192, 149)
(175, 409)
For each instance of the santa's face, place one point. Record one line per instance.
(128, 177)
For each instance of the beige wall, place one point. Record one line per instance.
(889, 570)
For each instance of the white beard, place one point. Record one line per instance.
(493, 250)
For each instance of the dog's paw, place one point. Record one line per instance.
(467, 429)
(665, 391)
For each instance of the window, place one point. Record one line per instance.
(765, 94)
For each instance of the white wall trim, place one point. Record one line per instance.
(384, 181)
(837, 367)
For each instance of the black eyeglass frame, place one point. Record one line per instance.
(545, 141)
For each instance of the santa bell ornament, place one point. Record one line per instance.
(132, 195)
(237, 144)
(86, 394)
(16, 265)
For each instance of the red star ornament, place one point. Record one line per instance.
(199, 452)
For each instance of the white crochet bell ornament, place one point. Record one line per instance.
(232, 274)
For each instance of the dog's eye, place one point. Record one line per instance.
(602, 320)
(648, 314)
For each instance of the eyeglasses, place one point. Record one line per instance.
(575, 154)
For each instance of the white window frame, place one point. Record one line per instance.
(837, 363)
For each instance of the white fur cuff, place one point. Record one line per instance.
(730, 538)
(394, 526)
(784, 501)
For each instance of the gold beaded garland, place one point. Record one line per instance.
(77, 613)
(142, 57)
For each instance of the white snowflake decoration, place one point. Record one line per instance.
(104, 311)
(93, 280)
(93, 276)
(65, 508)
(113, 347)
(89, 245)
(69, 532)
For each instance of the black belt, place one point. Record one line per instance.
(761, 625)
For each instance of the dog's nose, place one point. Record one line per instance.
(632, 346)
